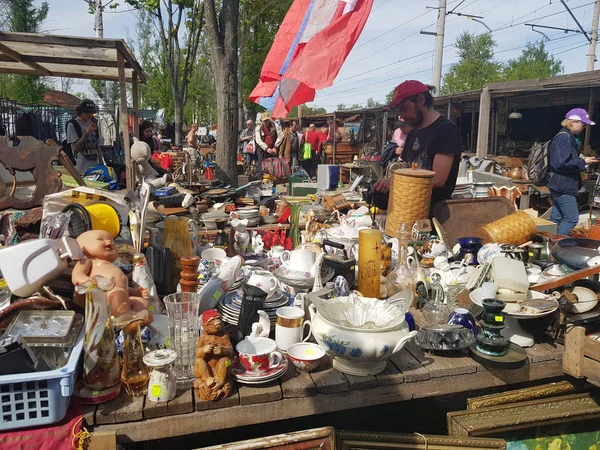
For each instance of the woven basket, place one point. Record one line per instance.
(410, 195)
(516, 228)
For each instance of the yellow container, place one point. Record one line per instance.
(369, 263)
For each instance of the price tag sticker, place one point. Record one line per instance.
(156, 390)
(499, 318)
(217, 295)
(227, 363)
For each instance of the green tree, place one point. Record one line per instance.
(107, 91)
(476, 65)
(261, 25)
(24, 16)
(534, 62)
(389, 97)
(179, 25)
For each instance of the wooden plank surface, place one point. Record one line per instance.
(411, 369)
(243, 415)
(296, 384)
(391, 375)
(574, 353)
(89, 414)
(329, 380)
(122, 409)
(232, 400)
(357, 383)
(182, 403)
(442, 365)
(263, 393)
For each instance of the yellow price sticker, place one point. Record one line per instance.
(227, 363)
(499, 319)
(217, 295)
(156, 390)
(3, 283)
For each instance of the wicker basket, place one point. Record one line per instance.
(410, 195)
(516, 228)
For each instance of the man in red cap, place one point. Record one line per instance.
(433, 143)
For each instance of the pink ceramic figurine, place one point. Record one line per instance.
(100, 252)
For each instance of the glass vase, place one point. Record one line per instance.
(101, 368)
(401, 282)
(369, 263)
(182, 310)
(135, 374)
(177, 238)
(295, 209)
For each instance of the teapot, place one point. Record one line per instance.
(303, 261)
(516, 173)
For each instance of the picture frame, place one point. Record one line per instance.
(349, 440)
(568, 421)
(312, 439)
(521, 395)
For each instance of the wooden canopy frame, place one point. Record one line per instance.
(77, 57)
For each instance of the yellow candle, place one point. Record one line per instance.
(369, 262)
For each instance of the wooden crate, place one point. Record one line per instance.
(582, 355)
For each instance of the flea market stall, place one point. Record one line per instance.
(193, 306)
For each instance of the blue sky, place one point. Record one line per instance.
(390, 49)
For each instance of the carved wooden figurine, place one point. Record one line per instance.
(100, 252)
(213, 359)
(32, 156)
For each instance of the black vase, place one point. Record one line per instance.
(252, 302)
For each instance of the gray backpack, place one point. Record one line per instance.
(538, 170)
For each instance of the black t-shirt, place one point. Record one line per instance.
(421, 146)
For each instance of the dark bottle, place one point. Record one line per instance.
(252, 302)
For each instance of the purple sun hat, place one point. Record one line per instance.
(579, 114)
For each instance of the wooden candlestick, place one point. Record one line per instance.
(189, 274)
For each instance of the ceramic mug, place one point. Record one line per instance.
(215, 257)
(289, 327)
(257, 355)
(264, 280)
(298, 260)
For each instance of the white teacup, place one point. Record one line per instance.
(298, 260)
(289, 327)
(276, 252)
(215, 257)
(264, 280)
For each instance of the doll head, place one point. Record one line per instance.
(98, 244)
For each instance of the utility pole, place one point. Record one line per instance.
(594, 39)
(439, 47)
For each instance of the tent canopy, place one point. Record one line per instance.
(67, 56)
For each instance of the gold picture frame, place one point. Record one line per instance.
(349, 440)
(313, 439)
(521, 395)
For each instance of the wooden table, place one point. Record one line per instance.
(410, 374)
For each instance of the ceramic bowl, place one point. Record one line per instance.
(358, 352)
(586, 300)
(306, 356)
(269, 219)
(576, 253)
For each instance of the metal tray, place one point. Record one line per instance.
(462, 217)
(29, 324)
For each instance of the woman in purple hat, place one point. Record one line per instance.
(565, 170)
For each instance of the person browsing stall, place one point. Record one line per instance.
(268, 136)
(433, 143)
(82, 134)
(192, 140)
(146, 135)
(565, 167)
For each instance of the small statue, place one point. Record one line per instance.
(312, 227)
(100, 252)
(242, 237)
(213, 359)
(262, 328)
(259, 246)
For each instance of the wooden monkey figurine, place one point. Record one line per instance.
(213, 359)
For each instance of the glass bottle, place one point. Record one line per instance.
(435, 310)
(142, 279)
(135, 374)
(177, 239)
(369, 263)
(401, 282)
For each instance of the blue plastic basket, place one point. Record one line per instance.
(38, 398)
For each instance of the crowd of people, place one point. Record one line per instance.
(286, 140)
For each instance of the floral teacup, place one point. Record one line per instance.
(257, 355)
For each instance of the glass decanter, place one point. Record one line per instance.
(135, 374)
(401, 282)
(435, 310)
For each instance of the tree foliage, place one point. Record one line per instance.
(534, 62)
(477, 67)
(179, 25)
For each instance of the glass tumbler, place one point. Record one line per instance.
(182, 310)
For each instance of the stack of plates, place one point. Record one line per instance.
(208, 219)
(463, 190)
(251, 213)
(245, 377)
(231, 305)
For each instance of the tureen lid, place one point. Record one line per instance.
(160, 358)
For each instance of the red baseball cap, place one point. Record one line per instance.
(407, 89)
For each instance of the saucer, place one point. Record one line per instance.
(248, 377)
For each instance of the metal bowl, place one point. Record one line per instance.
(576, 253)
